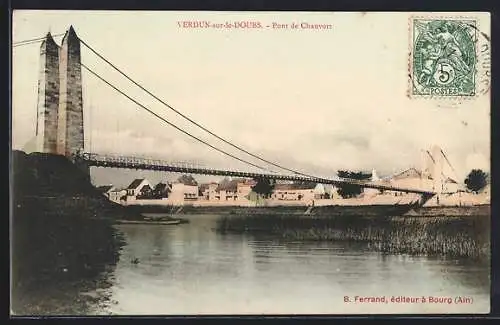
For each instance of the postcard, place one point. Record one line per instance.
(250, 163)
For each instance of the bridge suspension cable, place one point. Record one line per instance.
(169, 123)
(33, 40)
(449, 164)
(40, 39)
(189, 119)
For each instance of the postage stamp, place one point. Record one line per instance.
(443, 57)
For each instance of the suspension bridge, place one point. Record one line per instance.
(60, 126)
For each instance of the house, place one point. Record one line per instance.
(330, 191)
(303, 191)
(118, 195)
(319, 191)
(227, 190)
(412, 178)
(234, 189)
(325, 191)
(416, 179)
(451, 186)
(139, 188)
(244, 187)
(184, 189)
(182, 192)
(207, 191)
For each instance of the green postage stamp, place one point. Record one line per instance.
(443, 57)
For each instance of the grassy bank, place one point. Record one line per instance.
(454, 236)
(62, 240)
(318, 211)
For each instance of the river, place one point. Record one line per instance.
(191, 269)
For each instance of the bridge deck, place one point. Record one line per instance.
(99, 160)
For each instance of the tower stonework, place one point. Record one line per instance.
(70, 136)
(48, 97)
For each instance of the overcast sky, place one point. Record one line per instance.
(316, 100)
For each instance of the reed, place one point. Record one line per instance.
(467, 236)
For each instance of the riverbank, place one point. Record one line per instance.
(451, 211)
(323, 211)
(467, 236)
(62, 236)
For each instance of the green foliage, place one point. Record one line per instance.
(476, 180)
(160, 191)
(354, 175)
(264, 187)
(349, 190)
(187, 180)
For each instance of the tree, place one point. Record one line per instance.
(263, 187)
(354, 175)
(476, 180)
(187, 180)
(161, 190)
(350, 190)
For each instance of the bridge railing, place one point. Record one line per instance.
(107, 158)
(137, 160)
(189, 167)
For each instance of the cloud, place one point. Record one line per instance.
(326, 104)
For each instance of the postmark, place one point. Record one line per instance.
(443, 60)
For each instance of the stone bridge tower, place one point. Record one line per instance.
(48, 96)
(60, 103)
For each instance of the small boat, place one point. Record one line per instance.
(150, 222)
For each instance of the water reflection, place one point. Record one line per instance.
(191, 269)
